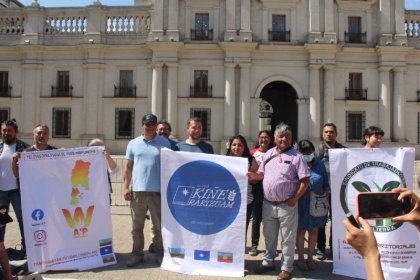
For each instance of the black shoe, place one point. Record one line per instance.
(254, 251)
(152, 248)
(321, 255)
(264, 269)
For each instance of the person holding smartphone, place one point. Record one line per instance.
(364, 241)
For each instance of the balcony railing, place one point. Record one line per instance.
(201, 92)
(120, 91)
(356, 94)
(202, 34)
(355, 38)
(279, 36)
(61, 91)
(6, 91)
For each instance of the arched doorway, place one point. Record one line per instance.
(282, 97)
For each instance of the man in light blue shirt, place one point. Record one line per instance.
(143, 168)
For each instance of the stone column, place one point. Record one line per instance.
(384, 110)
(156, 97)
(329, 90)
(31, 89)
(314, 102)
(158, 16)
(229, 106)
(246, 15)
(265, 25)
(302, 118)
(230, 14)
(244, 97)
(384, 13)
(314, 16)
(173, 15)
(399, 104)
(329, 16)
(188, 23)
(172, 96)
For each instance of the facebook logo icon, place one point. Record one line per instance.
(37, 215)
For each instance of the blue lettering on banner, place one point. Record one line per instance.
(204, 197)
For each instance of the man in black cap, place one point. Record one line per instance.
(143, 166)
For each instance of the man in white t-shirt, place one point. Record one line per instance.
(9, 187)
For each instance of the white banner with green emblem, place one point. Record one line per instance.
(373, 170)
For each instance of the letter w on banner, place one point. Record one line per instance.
(66, 213)
(373, 170)
(203, 213)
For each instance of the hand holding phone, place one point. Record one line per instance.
(352, 220)
(381, 205)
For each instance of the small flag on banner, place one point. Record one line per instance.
(108, 258)
(105, 242)
(224, 257)
(201, 255)
(177, 252)
(106, 250)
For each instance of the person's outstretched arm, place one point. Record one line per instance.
(364, 241)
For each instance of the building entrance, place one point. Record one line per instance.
(282, 98)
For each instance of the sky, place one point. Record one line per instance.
(409, 4)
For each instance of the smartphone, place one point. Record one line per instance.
(381, 205)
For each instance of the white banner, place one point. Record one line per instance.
(66, 212)
(203, 213)
(374, 170)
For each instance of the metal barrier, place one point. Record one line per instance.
(117, 180)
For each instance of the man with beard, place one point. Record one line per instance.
(194, 143)
(9, 191)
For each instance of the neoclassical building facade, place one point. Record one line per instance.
(240, 65)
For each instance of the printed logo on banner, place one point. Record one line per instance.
(356, 179)
(79, 178)
(200, 255)
(203, 197)
(225, 257)
(40, 236)
(79, 222)
(177, 252)
(37, 215)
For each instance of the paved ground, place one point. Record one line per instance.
(121, 222)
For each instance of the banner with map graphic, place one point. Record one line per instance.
(203, 213)
(66, 212)
(373, 170)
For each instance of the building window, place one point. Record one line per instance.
(278, 29)
(5, 88)
(61, 124)
(125, 87)
(205, 116)
(354, 34)
(62, 87)
(4, 114)
(202, 30)
(201, 87)
(355, 125)
(355, 90)
(124, 123)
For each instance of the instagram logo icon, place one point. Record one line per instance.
(40, 236)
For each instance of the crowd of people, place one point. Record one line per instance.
(282, 176)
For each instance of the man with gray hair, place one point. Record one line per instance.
(285, 178)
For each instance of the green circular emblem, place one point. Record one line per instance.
(385, 225)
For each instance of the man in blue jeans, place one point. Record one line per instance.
(9, 188)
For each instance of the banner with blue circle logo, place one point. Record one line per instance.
(203, 213)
